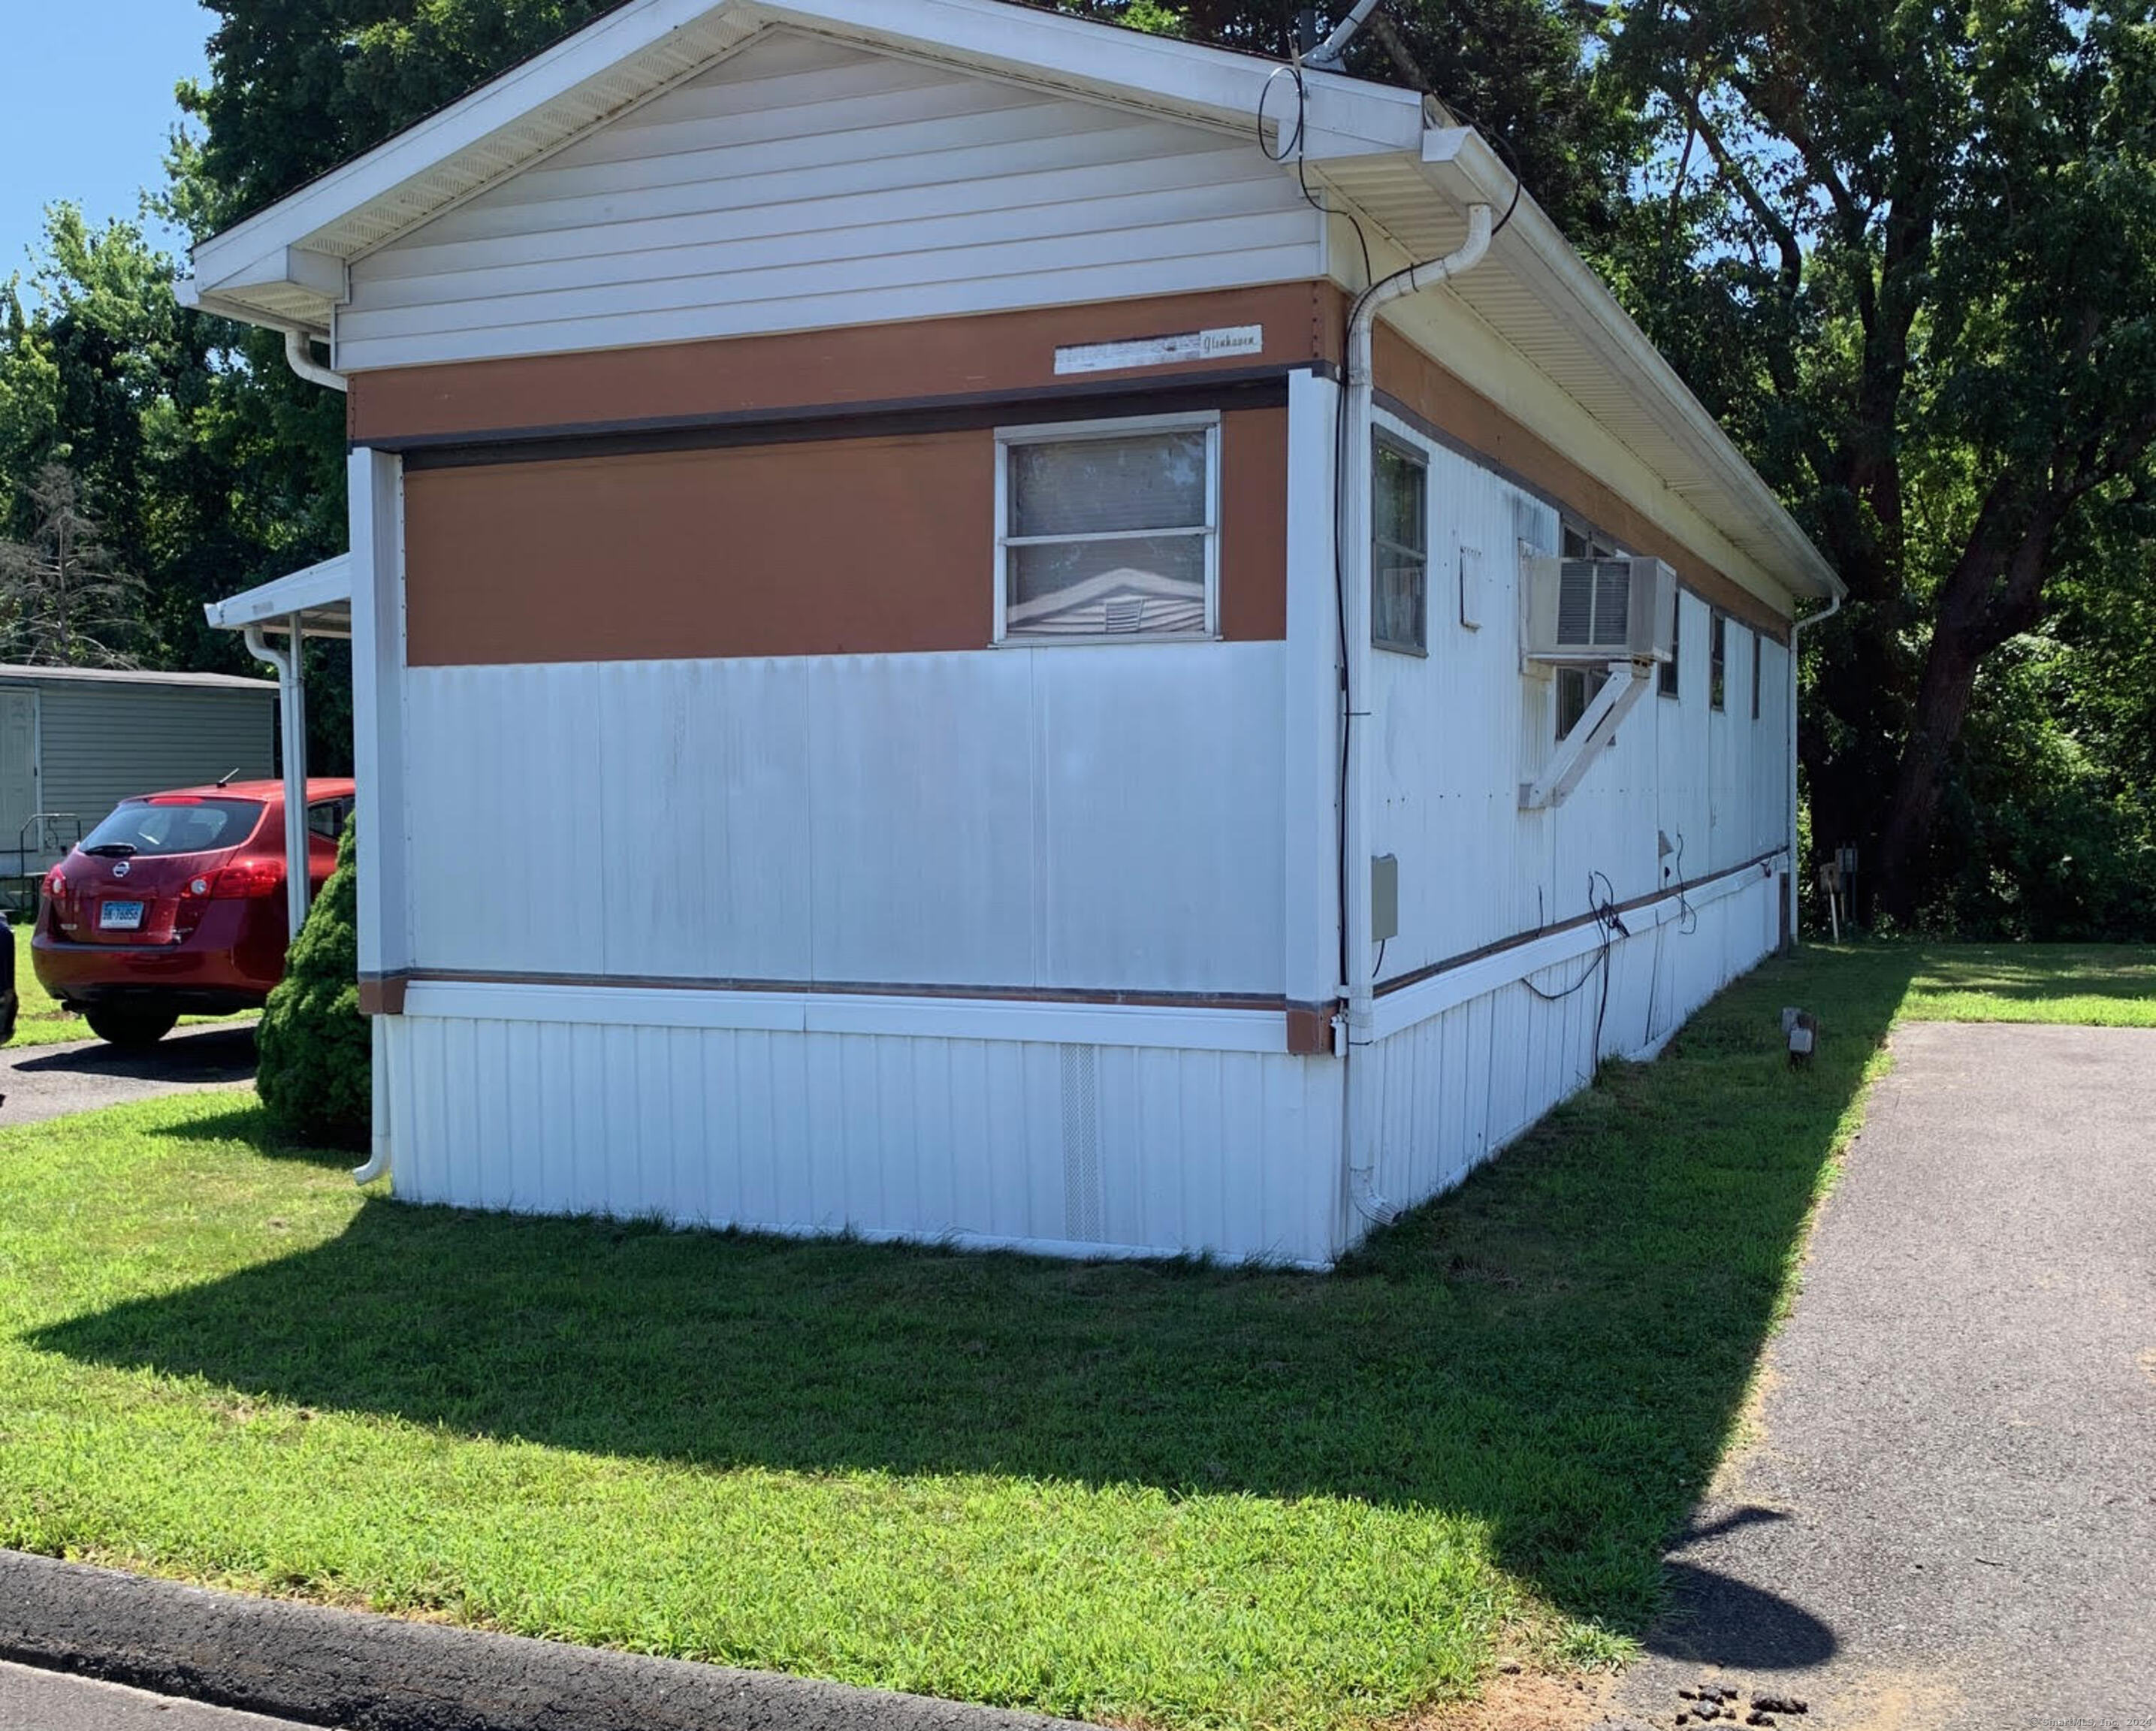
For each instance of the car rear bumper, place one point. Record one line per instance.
(221, 966)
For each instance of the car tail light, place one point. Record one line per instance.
(55, 885)
(243, 880)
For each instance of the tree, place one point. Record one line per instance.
(316, 1074)
(62, 602)
(1909, 254)
(210, 466)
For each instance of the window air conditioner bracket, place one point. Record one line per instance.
(1597, 725)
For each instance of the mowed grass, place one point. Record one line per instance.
(2098, 985)
(1178, 1495)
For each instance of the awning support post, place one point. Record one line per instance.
(290, 663)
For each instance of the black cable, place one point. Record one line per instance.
(1610, 924)
(1687, 916)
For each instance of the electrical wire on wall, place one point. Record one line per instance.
(1687, 915)
(1610, 926)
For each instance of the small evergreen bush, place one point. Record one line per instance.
(315, 1076)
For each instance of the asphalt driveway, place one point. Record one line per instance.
(1948, 1521)
(45, 1082)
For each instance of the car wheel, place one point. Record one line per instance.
(133, 1027)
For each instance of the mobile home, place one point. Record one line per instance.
(76, 741)
(932, 658)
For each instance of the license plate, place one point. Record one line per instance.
(120, 916)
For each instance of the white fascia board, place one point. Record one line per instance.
(1346, 115)
(323, 585)
(1461, 165)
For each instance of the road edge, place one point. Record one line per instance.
(361, 1671)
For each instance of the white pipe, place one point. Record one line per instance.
(1359, 988)
(377, 1160)
(1325, 56)
(292, 705)
(300, 359)
(1796, 873)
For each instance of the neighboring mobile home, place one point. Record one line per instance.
(76, 741)
(854, 512)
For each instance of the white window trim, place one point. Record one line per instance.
(1063, 432)
(1417, 453)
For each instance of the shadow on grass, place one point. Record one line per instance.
(2037, 972)
(250, 1123)
(1560, 1347)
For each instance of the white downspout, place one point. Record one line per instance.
(1796, 631)
(300, 359)
(1359, 988)
(292, 706)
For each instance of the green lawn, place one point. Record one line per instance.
(1170, 1494)
(2108, 986)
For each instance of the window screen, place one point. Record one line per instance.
(1666, 681)
(1718, 662)
(1109, 536)
(1400, 563)
(1758, 655)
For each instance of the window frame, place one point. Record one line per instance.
(1669, 680)
(1382, 439)
(1717, 661)
(1072, 432)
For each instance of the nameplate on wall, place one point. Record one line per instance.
(1161, 351)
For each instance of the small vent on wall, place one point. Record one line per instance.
(1081, 1145)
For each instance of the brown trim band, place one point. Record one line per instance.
(968, 411)
(1520, 939)
(381, 994)
(847, 988)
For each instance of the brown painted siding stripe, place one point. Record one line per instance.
(1261, 1001)
(981, 355)
(855, 546)
(1173, 394)
(1519, 939)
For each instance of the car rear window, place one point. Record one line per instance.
(152, 827)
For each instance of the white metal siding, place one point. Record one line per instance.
(102, 742)
(1094, 818)
(1456, 733)
(1055, 1147)
(1453, 1087)
(528, 1098)
(805, 183)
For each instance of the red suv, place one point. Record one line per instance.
(175, 905)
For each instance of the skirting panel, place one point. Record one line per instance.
(1099, 1150)
(1457, 1086)
(1065, 1147)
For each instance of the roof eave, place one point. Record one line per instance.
(1459, 162)
(281, 262)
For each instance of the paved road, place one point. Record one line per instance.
(1949, 1523)
(43, 1082)
(47, 1701)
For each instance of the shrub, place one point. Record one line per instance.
(316, 1076)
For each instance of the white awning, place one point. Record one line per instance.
(313, 603)
(322, 592)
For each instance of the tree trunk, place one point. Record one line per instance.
(1994, 591)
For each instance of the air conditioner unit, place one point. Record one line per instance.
(1600, 609)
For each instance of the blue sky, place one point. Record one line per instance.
(85, 106)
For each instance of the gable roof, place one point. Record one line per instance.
(1408, 169)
